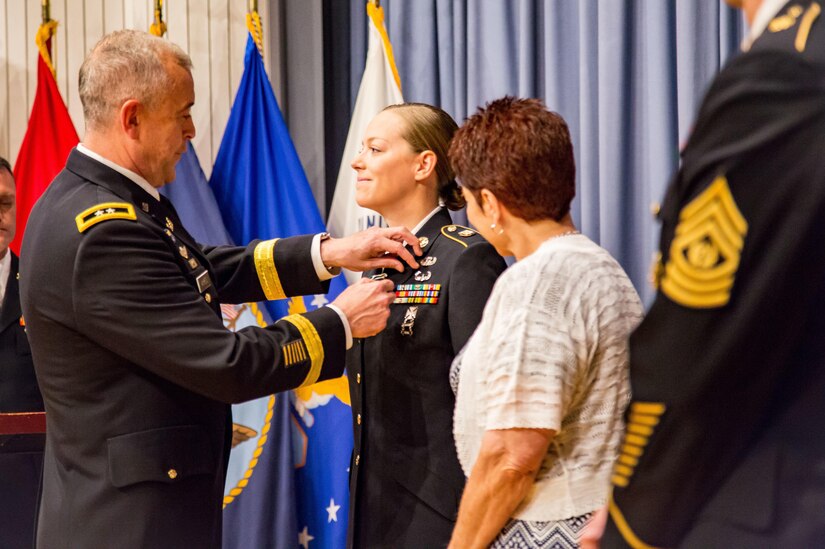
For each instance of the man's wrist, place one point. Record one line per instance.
(345, 322)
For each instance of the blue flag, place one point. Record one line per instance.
(195, 202)
(262, 192)
(259, 495)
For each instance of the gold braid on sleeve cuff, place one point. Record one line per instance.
(267, 273)
(313, 344)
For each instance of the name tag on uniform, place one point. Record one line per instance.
(203, 281)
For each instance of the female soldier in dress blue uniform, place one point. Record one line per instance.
(406, 481)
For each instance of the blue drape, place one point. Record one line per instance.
(627, 75)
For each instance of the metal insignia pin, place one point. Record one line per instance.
(184, 252)
(169, 224)
(467, 232)
(422, 276)
(144, 206)
(423, 241)
(193, 263)
(428, 261)
(452, 228)
(409, 320)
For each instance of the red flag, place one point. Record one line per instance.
(49, 138)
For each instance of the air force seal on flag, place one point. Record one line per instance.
(704, 255)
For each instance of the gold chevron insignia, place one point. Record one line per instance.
(706, 248)
(104, 212)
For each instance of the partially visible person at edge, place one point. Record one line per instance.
(122, 307)
(21, 456)
(543, 382)
(724, 445)
(405, 478)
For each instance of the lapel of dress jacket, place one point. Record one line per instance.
(10, 313)
(431, 231)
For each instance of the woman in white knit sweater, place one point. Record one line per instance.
(542, 384)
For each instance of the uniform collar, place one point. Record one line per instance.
(129, 174)
(424, 221)
(764, 15)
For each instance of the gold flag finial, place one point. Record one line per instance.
(253, 24)
(158, 27)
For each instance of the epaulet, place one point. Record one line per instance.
(104, 212)
(798, 18)
(453, 231)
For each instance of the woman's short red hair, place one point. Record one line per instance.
(522, 153)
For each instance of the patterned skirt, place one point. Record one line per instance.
(555, 534)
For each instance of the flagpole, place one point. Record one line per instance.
(46, 11)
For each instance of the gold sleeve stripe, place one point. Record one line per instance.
(313, 344)
(623, 470)
(635, 440)
(637, 429)
(619, 481)
(651, 408)
(104, 212)
(631, 450)
(644, 419)
(628, 460)
(267, 273)
(624, 528)
(294, 353)
(805, 26)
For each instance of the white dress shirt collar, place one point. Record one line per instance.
(764, 15)
(5, 270)
(132, 176)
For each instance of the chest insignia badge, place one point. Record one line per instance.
(409, 320)
(423, 276)
(428, 261)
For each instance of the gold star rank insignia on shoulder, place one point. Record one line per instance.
(706, 248)
(104, 212)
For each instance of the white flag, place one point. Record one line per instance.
(380, 86)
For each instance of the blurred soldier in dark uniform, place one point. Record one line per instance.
(724, 445)
(21, 456)
(122, 308)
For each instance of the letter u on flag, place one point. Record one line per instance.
(380, 86)
(262, 192)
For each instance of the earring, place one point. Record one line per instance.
(493, 227)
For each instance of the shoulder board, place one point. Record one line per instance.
(104, 212)
(458, 233)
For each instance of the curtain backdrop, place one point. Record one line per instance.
(627, 75)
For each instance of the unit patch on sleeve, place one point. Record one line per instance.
(706, 248)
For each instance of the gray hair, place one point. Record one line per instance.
(123, 65)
